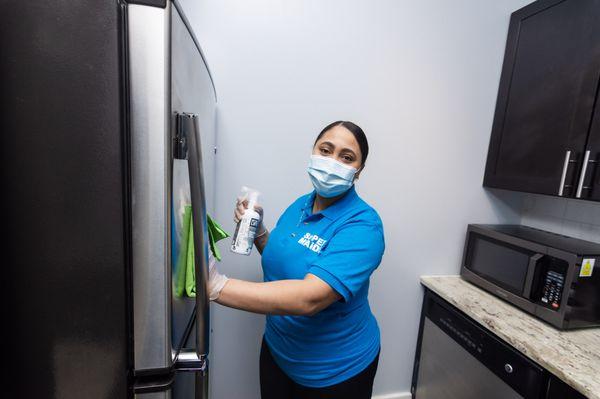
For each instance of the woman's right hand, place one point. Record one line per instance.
(262, 234)
(240, 207)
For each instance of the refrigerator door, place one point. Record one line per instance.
(193, 104)
(148, 44)
(193, 122)
(64, 254)
(172, 162)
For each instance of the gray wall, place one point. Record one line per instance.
(420, 77)
(575, 218)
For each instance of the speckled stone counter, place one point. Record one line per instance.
(573, 356)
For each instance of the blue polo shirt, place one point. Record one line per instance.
(342, 245)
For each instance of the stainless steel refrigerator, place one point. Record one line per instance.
(108, 129)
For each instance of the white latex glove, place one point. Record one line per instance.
(240, 207)
(216, 280)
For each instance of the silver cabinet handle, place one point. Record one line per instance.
(508, 368)
(586, 160)
(563, 177)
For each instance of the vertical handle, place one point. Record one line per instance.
(189, 141)
(563, 176)
(586, 161)
(188, 361)
(190, 121)
(187, 146)
(533, 262)
(198, 198)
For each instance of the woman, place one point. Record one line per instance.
(321, 339)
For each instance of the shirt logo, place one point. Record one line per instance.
(312, 242)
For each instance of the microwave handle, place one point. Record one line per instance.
(533, 262)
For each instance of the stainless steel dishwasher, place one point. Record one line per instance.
(458, 359)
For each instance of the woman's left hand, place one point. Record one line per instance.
(216, 280)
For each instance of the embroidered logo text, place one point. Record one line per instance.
(312, 242)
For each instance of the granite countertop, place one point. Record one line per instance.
(572, 356)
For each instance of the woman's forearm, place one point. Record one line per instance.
(275, 297)
(291, 297)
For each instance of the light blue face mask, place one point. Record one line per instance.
(329, 177)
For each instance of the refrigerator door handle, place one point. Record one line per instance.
(188, 360)
(188, 141)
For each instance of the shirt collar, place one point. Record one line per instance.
(334, 210)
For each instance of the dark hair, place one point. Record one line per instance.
(358, 133)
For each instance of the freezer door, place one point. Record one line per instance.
(154, 395)
(182, 386)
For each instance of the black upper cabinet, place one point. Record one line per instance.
(589, 178)
(546, 101)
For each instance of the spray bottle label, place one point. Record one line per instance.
(243, 239)
(244, 235)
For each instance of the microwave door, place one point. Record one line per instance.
(504, 265)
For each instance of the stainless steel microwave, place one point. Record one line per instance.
(553, 277)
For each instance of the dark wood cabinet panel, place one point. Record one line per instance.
(546, 97)
(588, 184)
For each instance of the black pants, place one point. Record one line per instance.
(275, 384)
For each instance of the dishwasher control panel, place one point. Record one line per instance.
(466, 338)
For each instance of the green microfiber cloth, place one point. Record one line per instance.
(190, 270)
(215, 234)
(183, 252)
(186, 273)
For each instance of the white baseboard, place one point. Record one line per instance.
(396, 395)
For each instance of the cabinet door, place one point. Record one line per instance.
(546, 97)
(588, 181)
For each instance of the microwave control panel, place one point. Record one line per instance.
(552, 289)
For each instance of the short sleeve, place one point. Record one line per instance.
(349, 258)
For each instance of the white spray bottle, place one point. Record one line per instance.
(243, 238)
